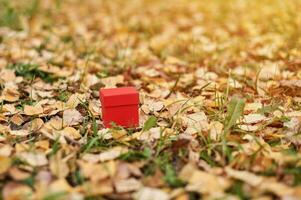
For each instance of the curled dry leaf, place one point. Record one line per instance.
(34, 125)
(72, 117)
(74, 100)
(58, 166)
(195, 122)
(216, 129)
(254, 118)
(127, 185)
(147, 193)
(204, 182)
(13, 190)
(17, 174)
(70, 132)
(33, 110)
(111, 82)
(276, 188)
(34, 159)
(245, 176)
(43, 144)
(5, 163)
(269, 71)
(95, 107)
(110, 154)
(7, 75)
(150, 135)
(56, 70)
(10, 95)
(17, 119)
(250, 128)
(192, 119)
(104, 170)
(90, 80)
(253, 106)
(59, 186)
(3, 118)
(21, 133)
(99, 188)
(154, 106)
(105, 134)
(9, 109)
(6, 150)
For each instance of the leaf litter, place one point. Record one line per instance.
(220, 100)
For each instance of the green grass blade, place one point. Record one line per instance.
(150, 123)
(235, 110)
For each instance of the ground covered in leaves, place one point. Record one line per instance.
(220, 99)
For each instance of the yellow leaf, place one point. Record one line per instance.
(5, 163)
(33, 110)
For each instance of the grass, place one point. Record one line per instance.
(150, 123)
(31, 71)
(63, 95)
(12, 11)
(9, 16)
(238, 190)
(56, 196)
(136, 155)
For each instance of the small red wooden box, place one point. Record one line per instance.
(120, 106)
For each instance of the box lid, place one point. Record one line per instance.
(119, 96)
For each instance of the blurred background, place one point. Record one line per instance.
(207, 32)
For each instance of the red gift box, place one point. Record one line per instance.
(120, 106)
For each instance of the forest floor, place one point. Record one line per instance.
(220, 99)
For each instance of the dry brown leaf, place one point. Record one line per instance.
(95, 107)
(99, 188)
(7, 75)
(204, 182)
(16, 191)
(43, 144)
(34, 125)
(111, 82)
(10, 95)
(150, 135)
(245, 176)
(216, 129)
(277, 188)
(21, 133)
(5, 163)
(72, 117)
(196, 122)
(74, 100)
(71, 132)
(127, 185)
(58, 166)
(58, 71)
(105, 134)
(34, 159)
(254, 118)
(147, 193)
(17, 119)
(6, 150)
(269, 71)
(104, 170)
(253, 106)
(3, 118)
(90, 79)
(33, 110)
(110, 154)
(59, 186)
(18, 174)
(250, 128)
